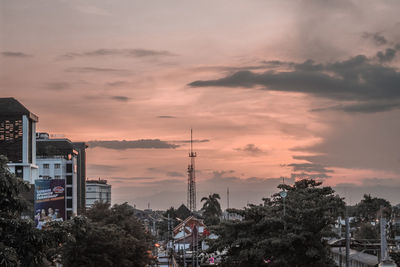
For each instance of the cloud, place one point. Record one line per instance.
(387, 188)
(175, 174)
(15, 54)
(194, 141)
(309, 167)
(58, 86)
(386, 56)
(376, 37)
(117, 83)
(139, 178)
(99, 70)
(250, 149)
(98, 168)
(166, 117)
(132, 144)
(133, 53)
(357, 81)
(366, 107)
(120, 98)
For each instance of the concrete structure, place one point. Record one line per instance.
(97, 190)
(58, 159)
(81, 174)
(18, 138)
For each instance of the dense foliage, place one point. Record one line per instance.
(261, 238)
(104, 237)
(21, 244)
(211, 209)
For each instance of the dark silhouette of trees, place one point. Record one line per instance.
(371, 208)
(21, 244)
(211, 209)
(261, 237)
(107, 236)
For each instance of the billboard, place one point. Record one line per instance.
(49, 201)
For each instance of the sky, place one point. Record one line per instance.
(272, 89)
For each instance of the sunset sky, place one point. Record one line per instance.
(271, 89)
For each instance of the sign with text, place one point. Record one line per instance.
(49, 201)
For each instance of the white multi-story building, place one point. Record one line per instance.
(57, 159)
(18, 138)
(97, 190)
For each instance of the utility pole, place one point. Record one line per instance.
(227, 196)
(385, 261)
(347, 241)
(340, 236)
(191, 194)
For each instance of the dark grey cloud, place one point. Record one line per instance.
(120, 98)
(188, 141)
(356, 81)
(166, 117)
(387, 188)
(386, 56)
(15, 54)
(134, 53)
(58, 86)
(376, 37)
(175, 174)
(250, 149)
(132, 144)
(362, 142)
(365, 107)
(309, 167)
(97, 70)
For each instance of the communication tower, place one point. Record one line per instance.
(191, 193)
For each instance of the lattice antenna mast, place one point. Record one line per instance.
(191, 194)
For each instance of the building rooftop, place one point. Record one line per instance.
(54, 147)
(99, 181)
(11, 106)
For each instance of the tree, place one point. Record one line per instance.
(21, 244)
(106, 237)
(370, 208)
(367, 231)
(297, 239)
(211, 209)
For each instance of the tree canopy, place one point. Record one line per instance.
(261, 237)
(211, 209)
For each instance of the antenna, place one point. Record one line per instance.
(191, 194)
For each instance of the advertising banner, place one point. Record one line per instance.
(49, 201)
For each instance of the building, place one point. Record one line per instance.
(58, 158)
(81, 174)
(18, 138)
(97, 190)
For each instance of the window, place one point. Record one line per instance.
(57, 177)
(69, 203)
(69, 179)
(46, 166)
(69, 167)
(57, 166)
(69, 191)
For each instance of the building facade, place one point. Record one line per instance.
(59, 159)
(97, 190)
(18, 138)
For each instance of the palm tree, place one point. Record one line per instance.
(211, 206)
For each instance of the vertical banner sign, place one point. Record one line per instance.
(49, 201)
